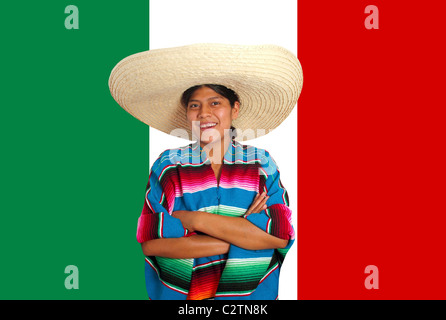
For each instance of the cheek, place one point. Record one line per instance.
(190, 116)
(225, 117)
(192, 122)
(229, 119)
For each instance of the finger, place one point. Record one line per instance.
(258, 199)
(262, 201)
(258, 203)
(261, 205)
(249, 210)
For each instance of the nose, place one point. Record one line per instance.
(204, 111)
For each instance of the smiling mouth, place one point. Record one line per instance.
(207, 125)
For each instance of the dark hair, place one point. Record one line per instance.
(221, 90)
(218, 88)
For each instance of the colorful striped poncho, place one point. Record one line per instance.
(182, 179)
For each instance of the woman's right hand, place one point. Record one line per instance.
(258, 204)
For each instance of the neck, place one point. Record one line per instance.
(216, 150)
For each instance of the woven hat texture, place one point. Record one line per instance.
(267, 78)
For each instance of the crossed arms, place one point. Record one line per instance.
(219, 233)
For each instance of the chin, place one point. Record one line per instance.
(210, 142)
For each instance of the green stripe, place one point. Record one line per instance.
(59, 130)
(177, 268)
(245, 269)
(224, 210)
(209, 264)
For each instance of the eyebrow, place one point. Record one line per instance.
(211, 98)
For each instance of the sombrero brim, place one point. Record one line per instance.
(267, 78)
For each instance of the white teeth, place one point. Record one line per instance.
(207, 125)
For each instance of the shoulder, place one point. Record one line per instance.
(246, 153)
(173, 157)
(254, 154)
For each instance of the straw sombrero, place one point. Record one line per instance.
(267, 78)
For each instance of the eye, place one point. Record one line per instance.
(215, 103)
(192, 106)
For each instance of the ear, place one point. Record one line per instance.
(235, 110)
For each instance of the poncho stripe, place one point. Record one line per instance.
(182, 179)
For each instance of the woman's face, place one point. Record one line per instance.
(210, 114)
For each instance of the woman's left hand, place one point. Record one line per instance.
(258, 204)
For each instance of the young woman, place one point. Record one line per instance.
(215, 222)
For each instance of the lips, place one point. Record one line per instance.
(207, 125)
